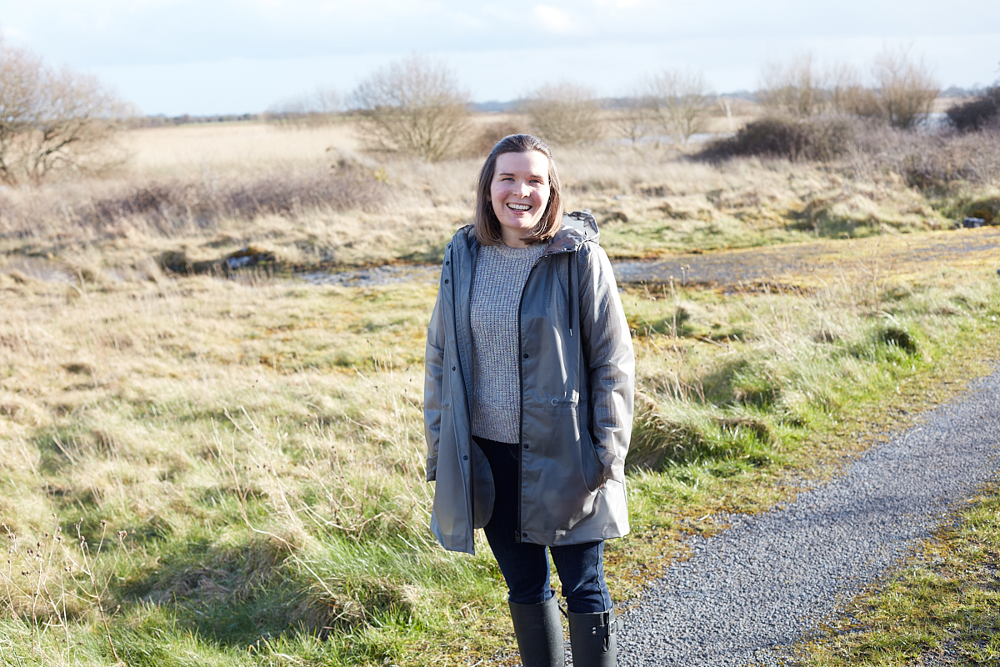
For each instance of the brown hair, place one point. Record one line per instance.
(487, 226)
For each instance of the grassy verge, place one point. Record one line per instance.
(200, 471)
(943, 608)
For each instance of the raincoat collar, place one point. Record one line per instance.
(577, 228)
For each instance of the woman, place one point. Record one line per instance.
(528, 402)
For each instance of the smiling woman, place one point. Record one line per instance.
(519, 193)
(528, 403)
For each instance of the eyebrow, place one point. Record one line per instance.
(508, 173)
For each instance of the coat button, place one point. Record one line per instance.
(525, 355)
(445, 281)
(525, 446)
(554, 401)
(465, 458)
(453, 368)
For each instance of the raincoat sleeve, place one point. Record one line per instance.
(608, 358)
(433, 386)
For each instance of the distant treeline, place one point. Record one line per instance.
(492, 106)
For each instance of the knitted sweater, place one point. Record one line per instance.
(500, 276)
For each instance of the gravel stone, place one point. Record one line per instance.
(768, 581)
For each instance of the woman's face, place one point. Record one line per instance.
(519, 193)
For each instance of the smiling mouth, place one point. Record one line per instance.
(518, 207)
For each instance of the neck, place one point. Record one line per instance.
(512, 240)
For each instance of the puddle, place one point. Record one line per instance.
(379, 275)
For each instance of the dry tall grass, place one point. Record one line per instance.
(253, 446)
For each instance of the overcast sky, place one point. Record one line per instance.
(238, 56)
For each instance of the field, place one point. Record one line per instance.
(212, 466)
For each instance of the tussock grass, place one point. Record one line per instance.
(235, 468)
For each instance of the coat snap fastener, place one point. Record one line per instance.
(554, 402)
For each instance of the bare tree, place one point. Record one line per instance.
(681, 102)
(413, 106)
(54, 121)
(906, 87)
(565, 114)
(632, 116)
(797, 89)
(848, 94)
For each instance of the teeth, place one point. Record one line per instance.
(519, 207)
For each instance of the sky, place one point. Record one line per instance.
(205, 57)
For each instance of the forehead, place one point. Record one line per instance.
(531, 162)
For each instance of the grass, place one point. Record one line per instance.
(213, 472)
(943, 608)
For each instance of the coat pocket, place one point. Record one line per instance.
(593, 467)
(483, 492)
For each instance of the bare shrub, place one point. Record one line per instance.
(414, 106)
(54, 121)
(490, 134)
(927, 160)
(797, 89)
(821, 138)
(680, 102)
(906, 87)
(978, 113)
(170, 206)
(565, 114)
(849, 95)
(632, 117)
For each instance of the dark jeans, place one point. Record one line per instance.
(525, 566)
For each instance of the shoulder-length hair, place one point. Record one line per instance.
(487, 226)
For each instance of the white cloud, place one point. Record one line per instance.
(554, 20)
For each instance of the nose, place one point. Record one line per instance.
(523, 190)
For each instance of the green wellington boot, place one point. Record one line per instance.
(593, 639)
(538, 629)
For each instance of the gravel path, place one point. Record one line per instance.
(769, 580)
(801, 261)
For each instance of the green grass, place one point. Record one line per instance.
(942, 608)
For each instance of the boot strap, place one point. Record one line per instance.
(608, 622)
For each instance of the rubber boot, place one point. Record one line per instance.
(594, 640)
(538, 629)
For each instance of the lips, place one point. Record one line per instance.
(519, 207)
